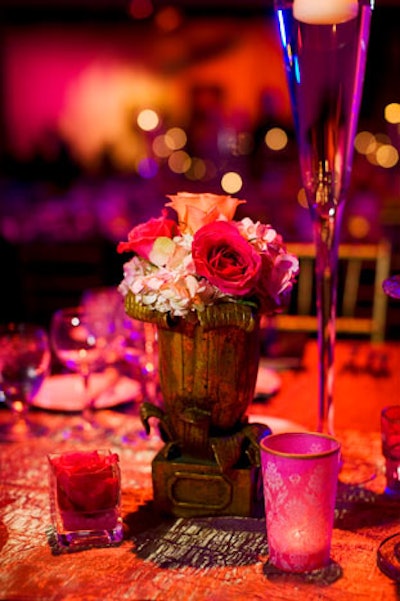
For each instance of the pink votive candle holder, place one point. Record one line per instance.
(390, 431)
(85, 498)
(300, 475)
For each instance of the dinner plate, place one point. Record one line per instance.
(277, 424)
(66, 392)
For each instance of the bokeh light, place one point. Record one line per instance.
(168, 19)
(387, 156)
(140, 9)
(276, 138)
(160, 147)
(148, 120)
(231, 182)
(392, 112)
(302, 198)
(197, 170)
(175, 138)
(365, 142)
(179, 161)
(147, 168)
(358, 226)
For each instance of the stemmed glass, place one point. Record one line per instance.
(24, 364)
(132, 342)
(325, 45)
(82, 348)
(389, 548)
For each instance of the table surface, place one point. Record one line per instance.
(209, 558)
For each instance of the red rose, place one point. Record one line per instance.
(225, 258)
(141, 238)
(86, 481)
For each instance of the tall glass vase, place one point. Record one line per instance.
(325, 46)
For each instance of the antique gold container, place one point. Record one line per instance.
(208, 368)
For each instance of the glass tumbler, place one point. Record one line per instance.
(85, 498)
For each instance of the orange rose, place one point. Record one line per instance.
(196, 210)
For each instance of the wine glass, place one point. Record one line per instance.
(389, 548)
(80, 345)
(132, 342)
(325, 45)
(24, 364)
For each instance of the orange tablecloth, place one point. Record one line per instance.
(367, 379)
(206, 558)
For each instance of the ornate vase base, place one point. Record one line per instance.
(188, 487)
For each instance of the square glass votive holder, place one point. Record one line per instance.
(390, 433)
(300, 474)
(85, 498)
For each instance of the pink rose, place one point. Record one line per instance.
(86, 481)
(196, 210)
(142, 237)
(225, 258)
(276, 280)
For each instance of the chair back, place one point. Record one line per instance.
(362, 304)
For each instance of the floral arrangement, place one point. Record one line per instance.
(205, 257)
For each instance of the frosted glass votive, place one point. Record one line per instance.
(300, 474)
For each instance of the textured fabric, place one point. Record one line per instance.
(197, 559)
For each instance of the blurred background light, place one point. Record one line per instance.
(148, 120)
(140, 9)
(231, 182)
(392, 112)
(175, 138)
(179, 161)
(387, 156)
(147, 168)
(160, 147)
(197, 170)
(276, 138)
(168, 19)
(358, 226)
(365, 142)
(302, 198)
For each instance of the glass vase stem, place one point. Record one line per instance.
(326, 235)
(325, 64)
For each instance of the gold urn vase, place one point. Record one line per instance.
(208, 365)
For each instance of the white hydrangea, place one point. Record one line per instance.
(174, 290)
(259, 234)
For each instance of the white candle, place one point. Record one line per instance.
(304, 542)
(324, 12)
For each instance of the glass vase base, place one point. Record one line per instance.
(322, 576)
(80, 540)
(388, 557)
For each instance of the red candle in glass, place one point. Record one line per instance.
(85, 492)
